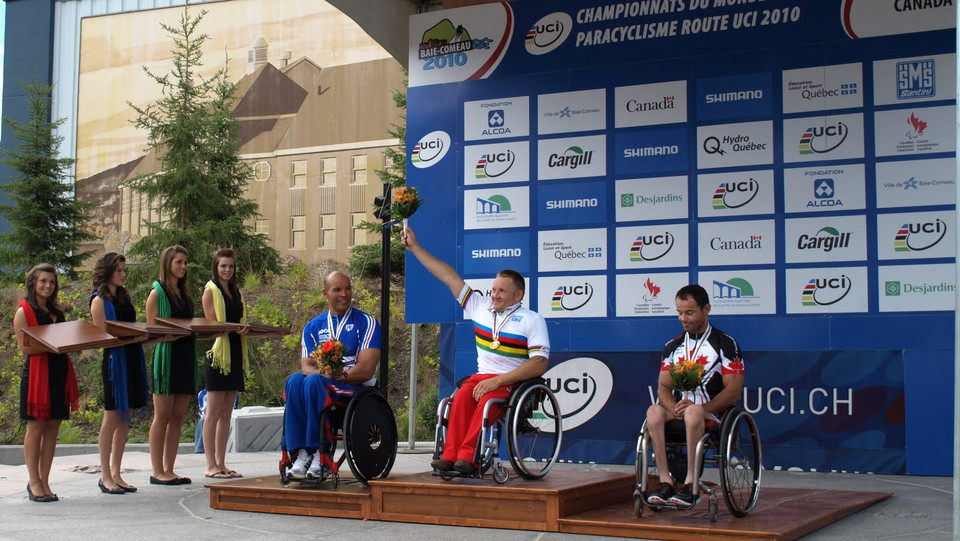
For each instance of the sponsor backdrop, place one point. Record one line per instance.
(796, 158)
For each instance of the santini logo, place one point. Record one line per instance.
(494, 164)
(825, 291)
(430, 149)
(548, 33)
(570, 298)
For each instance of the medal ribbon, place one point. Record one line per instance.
(697, 344)
(340, 326)
(496, 328)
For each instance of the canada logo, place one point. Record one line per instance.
(916, 127)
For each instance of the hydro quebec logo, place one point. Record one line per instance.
(548, 33)
(729, 145)
(733, 195)
(825, 291)
(430, 149)
(919, 236)
(916, 79)
(651, 247)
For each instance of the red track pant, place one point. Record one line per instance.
(466, 418)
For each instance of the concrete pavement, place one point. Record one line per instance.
(921, 507)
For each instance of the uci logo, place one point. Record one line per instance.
(732, 195)
(495, 164)
(430, 149)
(918, 236)
(825, 291)
(570, 298)
(582, 386)
(651, 247)
(548, 33)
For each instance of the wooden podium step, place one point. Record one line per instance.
(582, 502)
(517, 504)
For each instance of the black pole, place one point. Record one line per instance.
(385, 293)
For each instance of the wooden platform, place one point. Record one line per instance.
(597, 503)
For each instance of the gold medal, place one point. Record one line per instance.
(495, 344)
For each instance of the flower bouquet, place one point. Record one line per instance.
(406, 201)
(329, 357)
(686, 376)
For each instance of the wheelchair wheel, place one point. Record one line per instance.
(740, 461)
(534, 430)
(645, 469)
(369, 435)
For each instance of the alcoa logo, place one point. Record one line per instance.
(548, 33)
(582, 386)
(430, 149)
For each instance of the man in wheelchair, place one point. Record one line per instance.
(512, 346)
(311, 392)
(720, 387)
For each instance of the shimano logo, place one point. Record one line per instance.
(722, 97)
(642, 152)
(496, 252)
(589, 202)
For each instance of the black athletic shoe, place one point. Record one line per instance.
(464, 467)
(684, 496)
(441, 464)
(662, 495)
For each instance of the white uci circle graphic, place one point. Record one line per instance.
(582, 386)
(430, 149)
(548, 33)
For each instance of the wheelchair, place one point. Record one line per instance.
(366, 427)
(533, 426)
(733, 446)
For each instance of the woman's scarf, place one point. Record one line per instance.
(162, 352)
(117, 373)
(38, 393)
(219, 355)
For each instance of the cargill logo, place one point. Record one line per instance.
(548, 33)
(573, 157)
(733, 195)
(569, 298)
(825, 239)
(825, 291)
(919, 236)
(430, 149)
(494, 164)
(823, 139)
(651, 247)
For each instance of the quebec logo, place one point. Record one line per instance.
(548, 33)
(733, 195)
(582, 385)
(430, 149)
(494, 164)
(817, 139)
(495, 204)
(734, 288)
(917, 237)
(825, 291)
(916, 79)
(571, 298)
(651, 247)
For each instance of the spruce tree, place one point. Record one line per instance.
(200, 182)
(44, 215)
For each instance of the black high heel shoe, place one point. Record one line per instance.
(128, 488)
(106, 490)
(41, 498)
